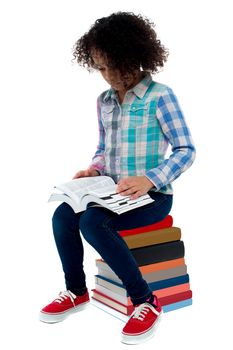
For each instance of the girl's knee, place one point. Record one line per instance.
(86, 223)
(63, 214)
(89, 226)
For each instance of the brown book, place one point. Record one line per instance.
(153, 237)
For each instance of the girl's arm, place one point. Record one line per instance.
(175, 129)
(98, 161)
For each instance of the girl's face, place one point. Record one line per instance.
(113, 76)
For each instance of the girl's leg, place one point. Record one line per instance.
(70, 247)
(100, 228)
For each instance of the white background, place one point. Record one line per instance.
(49, 131)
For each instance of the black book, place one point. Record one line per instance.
(158, 252)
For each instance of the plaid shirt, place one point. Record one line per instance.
(134, 136)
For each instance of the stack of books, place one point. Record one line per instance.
(159, 252)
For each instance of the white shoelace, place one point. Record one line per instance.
(64, 295)
(142, 310)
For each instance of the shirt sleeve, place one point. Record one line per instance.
(176, 131)
(98, 161)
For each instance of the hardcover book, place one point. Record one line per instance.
(120, 288)
(148, 277)
(160, 293)
(164, 265)
(128, 308)
(166, 222)
(158, 252)
(153, 237)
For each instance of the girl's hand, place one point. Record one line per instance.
(86, 173)
(134, 186)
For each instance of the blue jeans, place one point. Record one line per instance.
(100, 227)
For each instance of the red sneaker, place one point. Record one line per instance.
(142, 323)
(64, 305)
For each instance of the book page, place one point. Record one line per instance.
(129, 204)
(121, 204)
(78, 188)
(65, 198)
(116, 202)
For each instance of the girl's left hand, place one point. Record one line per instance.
(134, 186)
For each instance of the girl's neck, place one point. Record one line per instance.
(121, 93)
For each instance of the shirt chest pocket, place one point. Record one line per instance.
(141, 115)
(107, 116)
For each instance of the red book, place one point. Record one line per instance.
(129, 308)
(116, 305)
(174, 298)
(165, 223)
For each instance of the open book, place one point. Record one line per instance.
(97, 190)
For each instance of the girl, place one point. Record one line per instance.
(137, 118)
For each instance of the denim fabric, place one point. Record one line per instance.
(100, 227)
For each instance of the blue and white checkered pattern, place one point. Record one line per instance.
(134, 136)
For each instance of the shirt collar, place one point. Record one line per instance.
(139, 90)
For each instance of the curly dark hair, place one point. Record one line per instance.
(128, 41)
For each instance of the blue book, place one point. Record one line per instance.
(120, 288)
(178, 305)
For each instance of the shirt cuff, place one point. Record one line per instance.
(100, 171)
(154, 179)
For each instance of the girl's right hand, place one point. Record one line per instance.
(86, 173)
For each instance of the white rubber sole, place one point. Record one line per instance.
(138, 339)
(61, 316)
